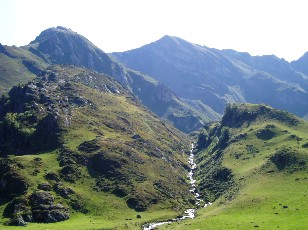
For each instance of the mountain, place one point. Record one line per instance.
(253, 164)
(77, 144)
(216, 77)
(300, 65)
(78, 149)
(63, 46)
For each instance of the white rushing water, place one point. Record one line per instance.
(189, 213)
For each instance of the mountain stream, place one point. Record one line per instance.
(189, 213)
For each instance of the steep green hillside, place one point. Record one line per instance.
(17, 66)
(77, 146)
(253, 165)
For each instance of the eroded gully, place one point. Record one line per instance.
(189, 213)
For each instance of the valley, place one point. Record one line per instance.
(189, 213)
(90, 140)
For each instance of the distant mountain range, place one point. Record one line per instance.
(203, 76)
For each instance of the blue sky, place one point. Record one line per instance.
(255, 26)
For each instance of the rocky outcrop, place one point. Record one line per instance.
(39, 207)
(19, 211)
(238, 114)
(12, 182)
(186, 122)
(44, 210)
(20, 131)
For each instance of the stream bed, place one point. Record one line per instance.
(189, 213)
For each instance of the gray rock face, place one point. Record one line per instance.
(65, 46)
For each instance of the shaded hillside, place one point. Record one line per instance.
(254, 166)
(75, 141)
(216, 77)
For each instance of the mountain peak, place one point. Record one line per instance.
(63, 28)
(54, 31)
(167, 39)
(300, 64)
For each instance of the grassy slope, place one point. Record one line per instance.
(106, 210)
(113, 121)
(263, 189)
(12, 71)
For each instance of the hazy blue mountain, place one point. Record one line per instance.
(216, 77)
(301, 64)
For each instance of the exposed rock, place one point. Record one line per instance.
(19, 207)
(12, 183)
(136, 136)
(265, 134)
(89, 146)
(41, 198)
(106, 165)
(137, 204)
(44, 210)
(283, 158)
(77, 205)
(44, 186)
(70, 172)
(16, 221)
(52, 176)
(62, 191)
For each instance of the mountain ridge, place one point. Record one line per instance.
(217, 77)
(63, 46)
